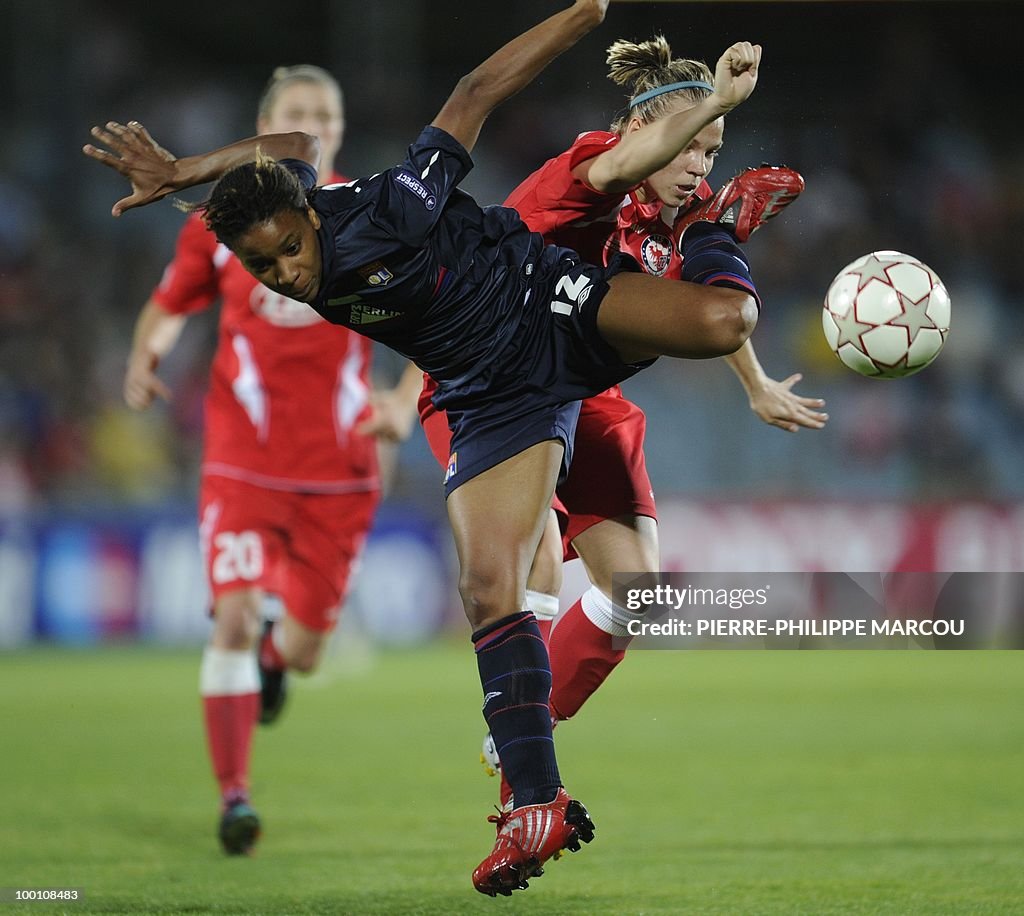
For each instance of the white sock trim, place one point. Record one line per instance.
(605, 615)
(223, 673)
(544, 607)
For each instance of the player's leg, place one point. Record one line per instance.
(542, 589)
(241, 548)
(711, 313)
(714, 312)
(589, 641)
(612, 526)
(545, 578)
(296, 646)
(326, 534)
(512, 659)
(229, 684)
(544, 583)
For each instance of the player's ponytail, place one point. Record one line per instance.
(648, 66)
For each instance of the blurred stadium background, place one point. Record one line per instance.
(898, 115)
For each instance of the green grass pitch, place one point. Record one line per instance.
(726, 782)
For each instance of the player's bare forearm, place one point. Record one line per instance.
(196, 170)
(156, 333)
(773, 401)
(748, 369)
(393, 411)
(156, 329)
(643, 152)
(513, 67)
(154, 173)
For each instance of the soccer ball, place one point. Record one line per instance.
(886, 315)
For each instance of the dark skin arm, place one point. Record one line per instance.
(512, 67)
(154, 172)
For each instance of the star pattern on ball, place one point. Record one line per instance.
(915, 315)
(850, 328)
(872, 269)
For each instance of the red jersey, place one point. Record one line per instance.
(567, 211)
(286, 387)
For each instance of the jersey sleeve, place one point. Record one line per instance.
(553, 196)
(189, 283)
(413, 194)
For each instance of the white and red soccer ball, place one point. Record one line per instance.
(886, 315)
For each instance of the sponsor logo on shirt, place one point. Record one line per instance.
(453, 467)
(412, 183)
(375, 273)
(361, 313)
(656, 253)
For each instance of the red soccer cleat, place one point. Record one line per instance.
(746, 201)
(527, 838)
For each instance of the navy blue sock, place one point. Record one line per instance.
(713, 257)
(516, 677)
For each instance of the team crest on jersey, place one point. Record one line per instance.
(656, 254)
(361, 313)
(453, 466)
(375, 273)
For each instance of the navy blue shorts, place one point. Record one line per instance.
(558, 359)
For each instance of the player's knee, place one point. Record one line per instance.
(729, 320)
(488, 595)
(236, 622)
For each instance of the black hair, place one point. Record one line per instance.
(248, 195)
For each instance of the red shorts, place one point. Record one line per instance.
(608, 476)
(301, 547)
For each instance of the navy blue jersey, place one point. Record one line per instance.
(506, 325)
(413, 262)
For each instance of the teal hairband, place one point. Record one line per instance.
(671, 87)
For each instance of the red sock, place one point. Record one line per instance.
(229, 684)
(545, 629)
(582, 657)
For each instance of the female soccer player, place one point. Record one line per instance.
(514, 332)
(629, 190)
(289, 482)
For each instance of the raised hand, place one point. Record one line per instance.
(135, 154)
(778, 405)
(736, 73)
(390, 418)
(141, 383)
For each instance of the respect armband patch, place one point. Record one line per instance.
(411, 183)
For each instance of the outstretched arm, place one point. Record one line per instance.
(156, 333)
(775, 402)
(512, 67)
(154, 172)
(393, 410)
(643, 152)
